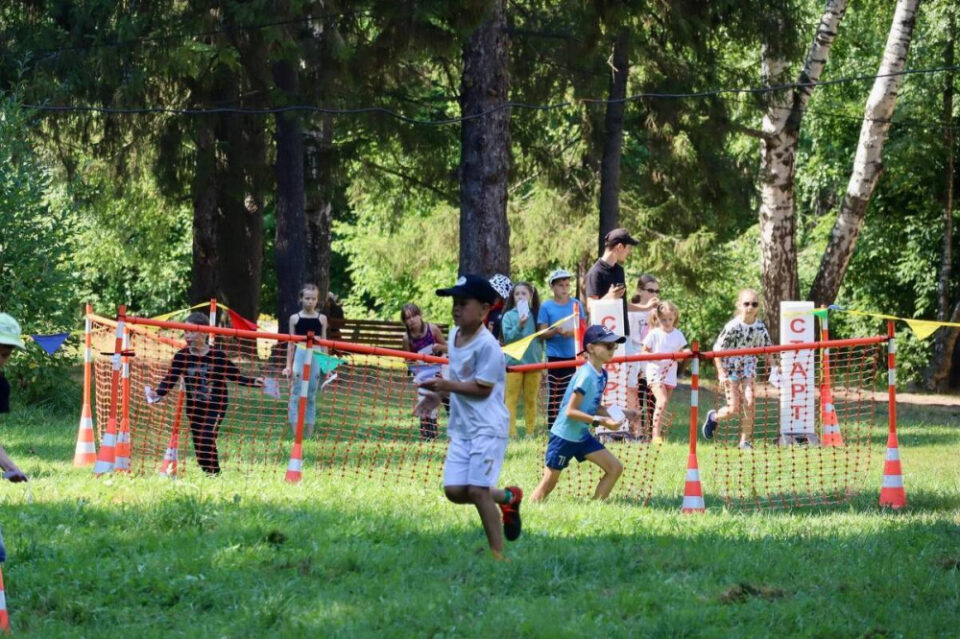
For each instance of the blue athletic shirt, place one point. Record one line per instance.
(550, 312)
(590, 383)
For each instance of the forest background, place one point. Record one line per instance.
(160, 154)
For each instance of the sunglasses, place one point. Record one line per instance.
(753, 304)
(652, 290)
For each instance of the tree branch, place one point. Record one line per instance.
(446, 197)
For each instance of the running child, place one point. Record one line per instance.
(307, 319)
(9, 340)
(205, 371)
(661, 375)
(570, 436)
(479, 423)
(519, 321)
(738, 374)
(426, 339)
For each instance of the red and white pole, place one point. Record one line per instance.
(295, 467)
(107, 456)
(692, 488)
(892, 493)
(85, 453)
(212, 321)
(122, 462)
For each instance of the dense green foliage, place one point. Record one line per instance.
(124, 185)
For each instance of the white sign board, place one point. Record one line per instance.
(797, 390)
(609, 313)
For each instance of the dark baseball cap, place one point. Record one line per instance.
(619, 236)
(471, 287)
(598, 334)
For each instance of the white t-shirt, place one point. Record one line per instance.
(663, 371)
(639, 325)
(478, 360)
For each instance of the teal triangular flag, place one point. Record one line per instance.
(325, 362)
(51, 343)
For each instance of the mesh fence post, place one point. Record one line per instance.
(168, 467)
(830, 424)
(85, 453)
(295, 467)
(892, 493)
(107, 456)
(212, 320)
(692, 488)
(122, 462)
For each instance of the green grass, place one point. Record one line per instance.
(352, 556)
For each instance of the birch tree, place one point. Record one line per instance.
(778, 154)
(868, 162)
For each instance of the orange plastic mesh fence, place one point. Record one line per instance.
(805, 443)
(364, 424)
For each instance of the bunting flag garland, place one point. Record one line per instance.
(518, 348)
(921, 328)
(50, 343)
(239, 321)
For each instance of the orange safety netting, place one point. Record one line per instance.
(364, 424)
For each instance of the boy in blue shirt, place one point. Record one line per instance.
(570, 436)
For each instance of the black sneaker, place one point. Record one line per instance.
(511, 514)
(709, 425)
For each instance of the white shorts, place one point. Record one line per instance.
(662, 371)
(474, 462)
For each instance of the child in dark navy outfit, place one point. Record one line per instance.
(570, 436)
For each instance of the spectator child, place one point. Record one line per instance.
(9, 340)
(738, 374)
(426, 339)
(664, 337)
(560, 341)
(639, 395)
(308, 319)
(519, 321)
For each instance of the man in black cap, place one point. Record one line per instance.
(606, 279)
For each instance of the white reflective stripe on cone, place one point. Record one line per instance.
(295, 464)
(86, 422)
(86, 447)
(691, 503)
(893, 481)
(109, 439)
(828, 407)
(170, 455)
(693, 474)
(893, 454)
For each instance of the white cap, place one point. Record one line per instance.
(559, 274)
(10, 331)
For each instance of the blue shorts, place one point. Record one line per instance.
(560, 451)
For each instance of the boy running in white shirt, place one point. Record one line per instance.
(478, 426)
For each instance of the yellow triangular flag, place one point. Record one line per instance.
(923, 328)
(517, 349)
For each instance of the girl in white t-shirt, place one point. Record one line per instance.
(664, 337)
(639, 395)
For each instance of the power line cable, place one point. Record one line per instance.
(303, 108)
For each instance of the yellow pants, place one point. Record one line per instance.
(529, 384)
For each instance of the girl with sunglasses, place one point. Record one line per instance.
(737, 374)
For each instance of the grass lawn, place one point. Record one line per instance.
(358, 557)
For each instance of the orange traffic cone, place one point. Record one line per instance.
(891, 492)
(295, 467)
(86, 451)
(828, 418)
(168, 468)
(107, 456)
(4, 617)
(693, 490)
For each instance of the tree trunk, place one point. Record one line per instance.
(320, 185)
(937, 375)
(240, 236)
(778, 152)
(613, 138)
(867, 164)
(290, 247)
(485, 148)
(203, 277)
